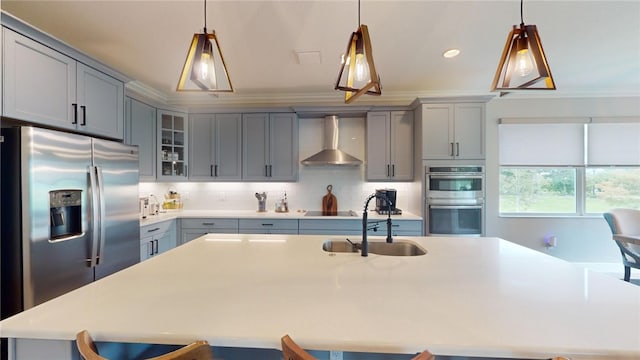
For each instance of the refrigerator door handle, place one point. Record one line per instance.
(102, 228)
(95, 216)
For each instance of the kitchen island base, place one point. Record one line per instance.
(30, 349)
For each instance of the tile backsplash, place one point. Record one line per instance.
(349, 185)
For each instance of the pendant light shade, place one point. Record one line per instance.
(358, 74)
(523, 64)
(204, 68)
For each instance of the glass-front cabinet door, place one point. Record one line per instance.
(172, 132)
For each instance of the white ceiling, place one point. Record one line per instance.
(593, 47)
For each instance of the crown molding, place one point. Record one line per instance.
(207, 101)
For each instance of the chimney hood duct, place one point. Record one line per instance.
(331, 155)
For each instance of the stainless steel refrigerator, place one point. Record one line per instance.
(69, 213)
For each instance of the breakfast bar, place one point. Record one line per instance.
(467, 297)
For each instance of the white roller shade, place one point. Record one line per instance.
(613, 143)
(541, 144)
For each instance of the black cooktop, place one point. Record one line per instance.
(339, 213)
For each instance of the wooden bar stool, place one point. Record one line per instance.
(197, 350)
(292, 351)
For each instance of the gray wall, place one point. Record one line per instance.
(579, 239)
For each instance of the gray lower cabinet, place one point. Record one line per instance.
(157, 238)
(270, 147)
(398, 227)
(215, 147)
(44, 86)
(192, 228)
(268, 226)
(377, 227)
(141, 130)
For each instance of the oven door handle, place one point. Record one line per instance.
(470, 201)
(455, 206)
(457, 176)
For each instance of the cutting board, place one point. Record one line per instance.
(329, 203)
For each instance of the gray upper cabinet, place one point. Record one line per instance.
(390, 146)
(101, 101)
(141, 122)
(453, 131)
(270, 147)
(46, 87)
(172, 147)
(215, 147)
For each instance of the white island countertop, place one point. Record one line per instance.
(467, 296)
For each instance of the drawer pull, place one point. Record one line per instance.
(267, 224)
(152, 230)
(209, 224)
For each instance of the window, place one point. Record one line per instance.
(608, 188)
(568, 166)
(536, 190)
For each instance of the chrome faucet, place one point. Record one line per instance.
(364, 250)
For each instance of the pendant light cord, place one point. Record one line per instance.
(205, 16)
(521, 12)
(358, 13)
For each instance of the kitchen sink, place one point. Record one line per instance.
(396, 248)
(340, 246)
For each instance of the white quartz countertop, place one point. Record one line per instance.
(249, 214)
(467, 296)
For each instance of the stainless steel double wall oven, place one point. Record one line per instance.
(455, 200)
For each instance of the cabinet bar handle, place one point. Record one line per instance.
(451, 149)
(266, 171)
(155, 244)
(457, 149)
(270, 170)
(216, 170)
(388, 172)
(152, 230)
(208, 223)
(84, 115)
(150, 248)
(211, 170)
(393, 170)
(267, 224)
(75, 113)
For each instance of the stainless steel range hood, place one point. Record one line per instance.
(331, 155)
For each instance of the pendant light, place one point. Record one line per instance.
(523, 65)
(205, 69)
(358, 74)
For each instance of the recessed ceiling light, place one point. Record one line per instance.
(451, 53)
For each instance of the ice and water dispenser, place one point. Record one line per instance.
(65, 209)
